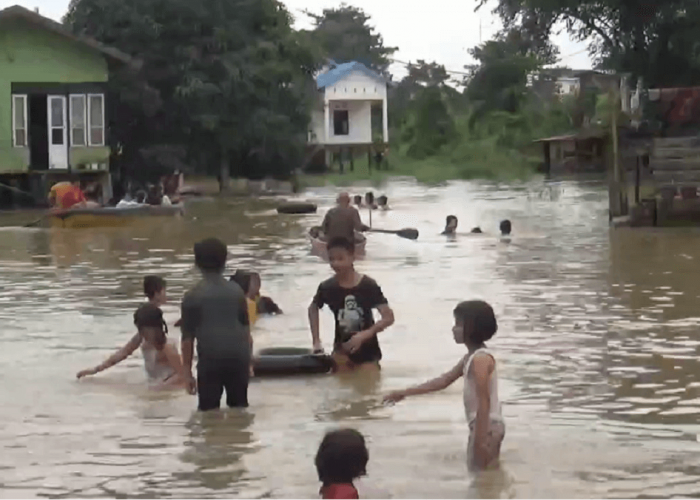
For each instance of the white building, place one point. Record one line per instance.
(567, 85)
(342, 119)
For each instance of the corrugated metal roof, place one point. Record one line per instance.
(340, 71)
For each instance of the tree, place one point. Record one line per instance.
(500, 80)
(224, 84)
(429, 125)
(654, 39)
(344, 33)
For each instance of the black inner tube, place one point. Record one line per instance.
(280, 361)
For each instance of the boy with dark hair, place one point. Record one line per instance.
(351, 296)
(215, 315)
(505, 227)
(341, 459)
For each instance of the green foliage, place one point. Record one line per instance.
(344, 34)
(429, 126)
(657, 40)
(224, 85)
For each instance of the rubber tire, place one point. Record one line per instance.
(284, 361)
(297, 208)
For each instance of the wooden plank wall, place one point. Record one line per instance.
(676, 160)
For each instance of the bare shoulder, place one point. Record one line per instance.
(483, 364)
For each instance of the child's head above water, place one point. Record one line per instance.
(505, 227)
(382, 200)
(154, 289)
(341, 255)
(475, 323)
(357, 199)
(249, 281)
(210, 255)
(151, 326)
(342, 457)
(450, 224)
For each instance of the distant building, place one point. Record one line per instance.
(342, 118)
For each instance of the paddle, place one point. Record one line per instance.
(409, 233)
(36, 222)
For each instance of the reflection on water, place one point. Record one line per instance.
(596, 353)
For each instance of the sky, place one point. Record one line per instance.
(443, 32)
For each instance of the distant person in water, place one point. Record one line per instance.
(369, 200)
(476, 230)
(351, 297)
(343, 221)
(383, 202)
(505, 227)
(161, 359)
(450, 225)
(357, 200)
(341, 459)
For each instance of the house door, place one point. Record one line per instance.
(58, 140)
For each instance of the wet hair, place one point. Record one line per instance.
(242, 279)
(477, 230)
(449, 219)
(342, 457)
(478, 315)
(152, 285)
(268, 306)
(210, 255)
(357, 199)
(369, 197)
(505, 226)
(150, 316)
(341, 242)
(382, 200)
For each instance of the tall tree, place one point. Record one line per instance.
(654, 39)
(345, 34)
(224, 84)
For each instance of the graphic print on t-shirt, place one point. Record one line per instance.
(350, 317)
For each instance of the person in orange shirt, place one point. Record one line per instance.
(67, 194)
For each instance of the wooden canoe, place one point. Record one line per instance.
(82, 218)
(318, 247)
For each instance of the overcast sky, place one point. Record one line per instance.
(441, 30)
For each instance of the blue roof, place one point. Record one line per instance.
(340, 71)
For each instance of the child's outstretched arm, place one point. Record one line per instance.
(115, 358)
(314, 325)
(437, 384)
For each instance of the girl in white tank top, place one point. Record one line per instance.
(475, 323)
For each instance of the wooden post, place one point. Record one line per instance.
(352, 160)
(369, 159)
(547, 158)
(637, 182)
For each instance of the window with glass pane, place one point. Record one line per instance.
(97, 126)
(77, 120)
(57, 112)
(19, 121)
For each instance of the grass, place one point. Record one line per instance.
(469, 160)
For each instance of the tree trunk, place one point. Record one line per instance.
(224, 172)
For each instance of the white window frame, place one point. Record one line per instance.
(89, 116)
(85, 119)
(24, 126)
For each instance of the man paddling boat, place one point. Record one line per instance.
(343, 221)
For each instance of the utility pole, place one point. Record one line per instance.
(480, 31)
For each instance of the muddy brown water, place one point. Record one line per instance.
(597, 353)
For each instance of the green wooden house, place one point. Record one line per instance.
(52, 103)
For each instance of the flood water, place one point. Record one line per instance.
(597, 351)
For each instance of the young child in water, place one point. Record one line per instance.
(383, 202)
(475, 323)
(351, 297)
(161, 359)
(450, 225)
(341, 459)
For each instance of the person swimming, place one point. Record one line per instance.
(505, 227)
(357, 200)
(450, 225)
(251, 283)
(476, 230)
(369, 200)
(383, 202)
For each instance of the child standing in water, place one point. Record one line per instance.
(341, 459)
(161, 359)
(475, 323)
(351, 296)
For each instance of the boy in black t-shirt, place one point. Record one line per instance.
(351, 296)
